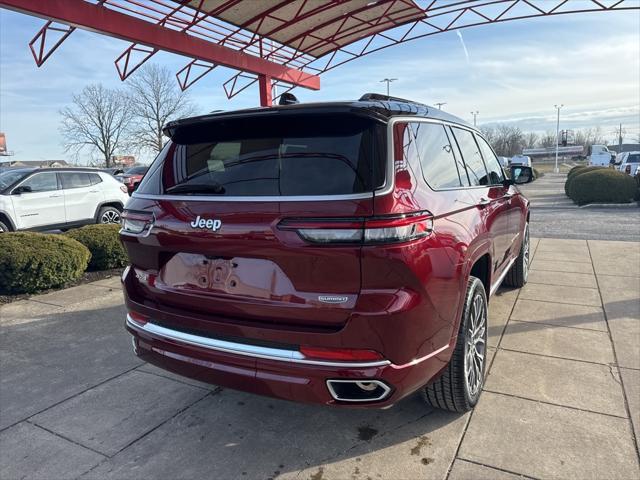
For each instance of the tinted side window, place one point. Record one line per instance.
(496, 174)
(472, 157)
(95, 178)
(42, 182)
(436, 156)
(75, 180)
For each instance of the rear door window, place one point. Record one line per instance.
(75, 180)
(472, 158)
(299, 155)
(436, 156)
(95, 178)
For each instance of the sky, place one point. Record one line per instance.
(510, 72)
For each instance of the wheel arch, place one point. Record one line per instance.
(6, 219)
(116, 204)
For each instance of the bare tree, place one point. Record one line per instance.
(548, 139)
(155, 99)
(531, 140)
(98, 120)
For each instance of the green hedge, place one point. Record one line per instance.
(603, 185)
(30, 262)
(103, 241)
(575, 172)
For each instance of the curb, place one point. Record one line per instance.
(610, 205)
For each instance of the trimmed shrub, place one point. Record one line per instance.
(30, 262)
(575, 172)
(603, 185)
(103, 241)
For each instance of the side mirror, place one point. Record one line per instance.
(520, 174)
(21, 189)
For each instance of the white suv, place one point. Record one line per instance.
(58, 198)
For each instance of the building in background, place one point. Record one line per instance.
(33, 163)
(4, 152)
(123, 160)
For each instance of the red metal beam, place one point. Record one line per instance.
(264, 85)
(82, 14)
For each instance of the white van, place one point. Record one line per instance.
(600, 156)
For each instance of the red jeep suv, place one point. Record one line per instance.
(339, 253)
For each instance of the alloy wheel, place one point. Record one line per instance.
(110, 216)
(475, 346)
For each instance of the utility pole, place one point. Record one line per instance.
(620, 140)
(440, 104)
(475, 116)
(388, 80)
(558, 107)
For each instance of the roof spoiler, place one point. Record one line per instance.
(368, 97)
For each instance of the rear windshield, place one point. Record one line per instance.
(271, 155)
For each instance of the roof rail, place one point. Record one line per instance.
(385, 98)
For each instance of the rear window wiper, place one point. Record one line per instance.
(197, 188)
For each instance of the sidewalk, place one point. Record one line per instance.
(562, 398)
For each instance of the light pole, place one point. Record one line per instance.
(388, 80)
(475, 116)
(440, 104)
(558, 107)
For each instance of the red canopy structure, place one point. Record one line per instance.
(273, 42)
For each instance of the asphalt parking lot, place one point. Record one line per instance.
(561, 398)
(554, 215)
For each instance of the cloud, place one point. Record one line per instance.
(518, 71)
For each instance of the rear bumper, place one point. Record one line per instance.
(273, 372)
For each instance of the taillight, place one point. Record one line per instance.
(135, 222)
(374, 230)
(340, 354)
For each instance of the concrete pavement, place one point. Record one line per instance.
(561, 399)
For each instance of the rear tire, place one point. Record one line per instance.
(108, 215)
(458, 388)
(4, 228)
(519, 272)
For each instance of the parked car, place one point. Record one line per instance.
(629, 162)
(522, 160)
(600, 156)
(113, 170)
(58, 198)
(504, 161)
(132, 176)
(338, 253)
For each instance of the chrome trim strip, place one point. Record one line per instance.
(498, 282)
(267, 353)
(426, 357)
(293, 198)
(335, 396)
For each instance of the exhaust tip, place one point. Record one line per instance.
(358, 390)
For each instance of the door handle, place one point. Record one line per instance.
(55, 196)
(94, 191)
